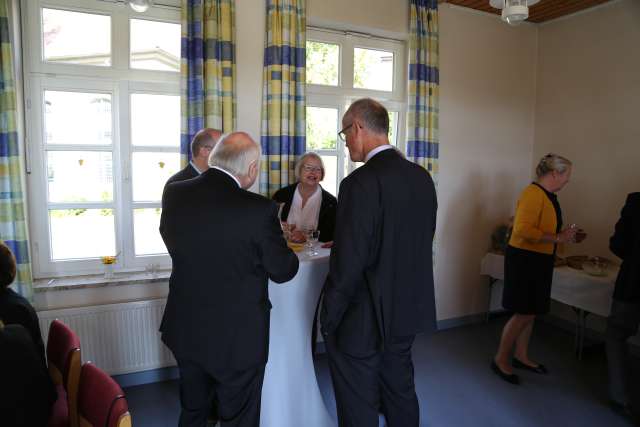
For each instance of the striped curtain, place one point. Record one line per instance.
(283, 129)
(13, 224)
(422, 113)
(207, 69)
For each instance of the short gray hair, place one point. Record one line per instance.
(234, 153)
(552, 163)
(371, 113)
(305, 156)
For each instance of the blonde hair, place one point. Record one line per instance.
(552, 163)
(300, 163)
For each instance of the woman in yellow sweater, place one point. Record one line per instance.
(528, 266)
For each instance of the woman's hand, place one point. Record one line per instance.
(567, 235)
(297, 236)
(327, 245)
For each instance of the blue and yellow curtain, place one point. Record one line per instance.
(13, 224)
(207, 69)
(422, 112)
(283, 131)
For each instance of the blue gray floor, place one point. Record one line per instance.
(456, 387)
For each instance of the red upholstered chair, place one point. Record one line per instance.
(63, 358)
(101, 401)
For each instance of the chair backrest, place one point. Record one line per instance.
(101, 401)
(63, 358)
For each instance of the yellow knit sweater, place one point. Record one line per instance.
(535, 216)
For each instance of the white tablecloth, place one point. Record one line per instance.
(290, 393)
(570, 286)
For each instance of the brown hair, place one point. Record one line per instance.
(7, 266)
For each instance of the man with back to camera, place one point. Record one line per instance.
(624, 318)
(379, 293)
(225, 244)
(202, 144)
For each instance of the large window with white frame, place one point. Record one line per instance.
(340, 69)
(103, 131)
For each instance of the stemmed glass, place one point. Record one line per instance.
(312, 240)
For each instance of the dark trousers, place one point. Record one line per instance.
(379, 382)
(237, 395)
(622, 323)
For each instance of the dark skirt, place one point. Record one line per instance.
(527, 281)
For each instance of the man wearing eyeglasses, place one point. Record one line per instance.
(201, 145)
(379, 293)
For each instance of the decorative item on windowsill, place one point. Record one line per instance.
(108, 262)
(500, 237)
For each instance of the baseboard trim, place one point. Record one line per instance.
(147, 377)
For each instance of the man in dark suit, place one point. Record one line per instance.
(225, 243)
(379, 293)
(625, 309)
(201, 146)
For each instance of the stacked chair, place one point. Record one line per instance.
(87, 396)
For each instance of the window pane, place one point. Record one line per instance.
(322, 128)
(155, 45)
(76, 38)
(80, 176)
(393, 127)
(323, 61)
(329, 182)
(155, 120)
(372, 69)
(147, 239)
(150, 173)
(82, 233)
(77, 118)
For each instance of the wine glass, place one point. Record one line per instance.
(312, 240)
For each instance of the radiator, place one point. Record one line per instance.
(118, 338)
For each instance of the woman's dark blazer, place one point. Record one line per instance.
(326, 217)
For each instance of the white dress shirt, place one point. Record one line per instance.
(376, 150)
(305, 218)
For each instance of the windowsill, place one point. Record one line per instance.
(99, 281)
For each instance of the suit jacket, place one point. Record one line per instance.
(26, 388)
(15, 309)
(625, 243)
(380, 282)
(225, 243)
(185, 173)
(326, 216)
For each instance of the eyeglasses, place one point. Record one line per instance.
(207, 147)
(314, 169)
(342, 134)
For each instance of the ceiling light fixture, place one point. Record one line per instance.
(513, 11)
(139, 5)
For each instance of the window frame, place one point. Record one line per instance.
(121, 82)
(341, 96)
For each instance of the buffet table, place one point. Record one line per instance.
(584, 293)
(290, 393)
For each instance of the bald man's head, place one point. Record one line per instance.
(238, 154)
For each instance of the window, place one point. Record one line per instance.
(340, 69)
(103, 106)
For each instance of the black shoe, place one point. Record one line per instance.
(540, 369)
(510, 378)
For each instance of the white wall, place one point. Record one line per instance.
(588, 109)
(487, 97)
(588, 100)
(486, 123)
